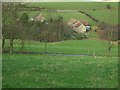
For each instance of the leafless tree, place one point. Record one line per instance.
(10, 16)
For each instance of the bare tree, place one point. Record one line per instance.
(11, 10)
(10, 16)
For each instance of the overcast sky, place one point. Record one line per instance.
(66, 0)
(61, 0)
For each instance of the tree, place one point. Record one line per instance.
(23, 32)
(109, 33)
(11, 12)
(10, 16)
(24, 18)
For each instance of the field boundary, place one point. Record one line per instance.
(58, 54)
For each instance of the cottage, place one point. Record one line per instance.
(71, 21)
(80, 28)
(77, 26)
(39, 17)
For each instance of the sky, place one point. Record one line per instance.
(62, 0)
(67, 0)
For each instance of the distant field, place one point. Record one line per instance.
(66, 15)
(108, 16)
(100, 13)
(42, 71)
(75, 5)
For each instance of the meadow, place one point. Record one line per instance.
(62, 71)
(75, 5)
(100, 13)
(103, 15)
(44, 71)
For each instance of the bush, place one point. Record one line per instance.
(94, 9)
(24, 18)
(80, 36)
(108, 6)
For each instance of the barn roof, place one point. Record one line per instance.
(39, 17)
(77, 24)
(84, 22)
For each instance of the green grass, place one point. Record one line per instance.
(86, 46)
(42, 71)
(66, 15)
(108, 16)
(75, 5)
(100, 13)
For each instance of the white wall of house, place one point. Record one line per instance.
(80, 29)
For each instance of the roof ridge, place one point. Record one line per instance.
(75, 21)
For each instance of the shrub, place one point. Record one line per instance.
(108, 6)
(94, 9)
(24, 18)
(80, 36)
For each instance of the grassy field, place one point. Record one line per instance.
(66, 15)
(39, 71)
(108, 16)
(75, 5)
(20, 70)
(100, 13)
(87, 46)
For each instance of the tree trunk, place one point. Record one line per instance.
(22, 44)
(46, 46)
(51, 33)
(57, 29)
(29, 45)
(3, 42)
(110, 47)
(11, 46)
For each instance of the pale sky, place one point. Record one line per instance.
(60, 0)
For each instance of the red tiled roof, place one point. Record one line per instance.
(77, 24)
(84, 22)
(75, 21)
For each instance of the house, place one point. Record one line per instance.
(71, 21)
(86, 24)
(39, 17)
(77, 26)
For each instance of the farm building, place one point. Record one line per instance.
(39, 17)
(77, 26)
(71, 21)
